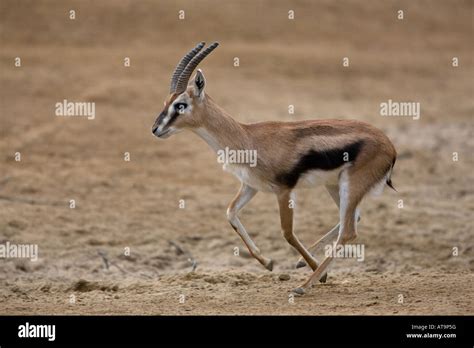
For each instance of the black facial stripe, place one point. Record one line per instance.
(323, 160)
(161, 118)
(173, 118)
(163, 115)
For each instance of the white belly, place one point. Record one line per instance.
(309, 179)
(319, 177)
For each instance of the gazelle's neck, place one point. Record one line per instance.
(220, 130)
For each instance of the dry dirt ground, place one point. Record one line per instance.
(410, 266)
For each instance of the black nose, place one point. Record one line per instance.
(153, 130)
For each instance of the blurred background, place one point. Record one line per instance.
(135, 204)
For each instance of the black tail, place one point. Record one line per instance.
(389, 183)
(389, 180)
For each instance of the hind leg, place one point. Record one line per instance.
(350, 197)
(334, 193)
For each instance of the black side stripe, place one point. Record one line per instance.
(322, 160)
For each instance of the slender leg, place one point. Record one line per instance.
(322, 240)
(348, 215)
(245, 194)
(334, 192)
(286, 219)
(318, 274)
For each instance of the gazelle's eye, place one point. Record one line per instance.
(180, 107)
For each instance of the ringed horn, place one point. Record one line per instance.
(186, 66)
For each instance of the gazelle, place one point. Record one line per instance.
(348, 157)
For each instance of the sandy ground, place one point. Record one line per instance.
(409, 266)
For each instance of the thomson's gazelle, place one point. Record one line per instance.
(348, 157)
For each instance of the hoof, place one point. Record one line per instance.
(300, 264)
(323, 278)
(298, 291)
(269, 265)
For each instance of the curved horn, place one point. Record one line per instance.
(186, 74)
(182, 64)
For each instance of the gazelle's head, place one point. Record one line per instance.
(183, 105)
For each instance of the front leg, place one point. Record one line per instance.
(286, 217)
(245, 194)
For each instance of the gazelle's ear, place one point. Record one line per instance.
(199, 83)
